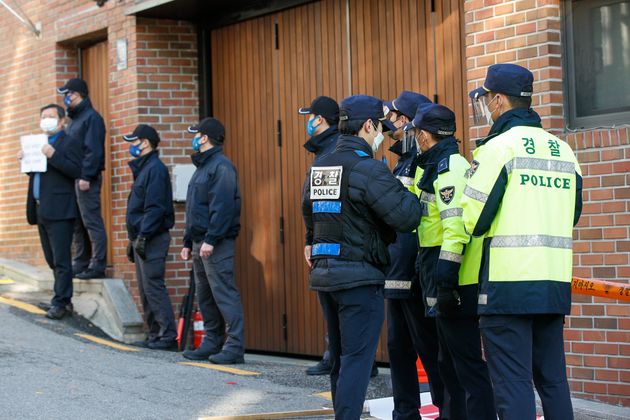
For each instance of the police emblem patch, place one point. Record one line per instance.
(447, 194)
(473, 168)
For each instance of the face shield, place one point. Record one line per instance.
(481, 112)
(408, 140)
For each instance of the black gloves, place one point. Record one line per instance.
(140, 246)
(448, 301)
(130, 256)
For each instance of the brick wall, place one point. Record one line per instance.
(159, 87)
(529, 33)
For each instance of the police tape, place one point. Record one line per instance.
(601, 288)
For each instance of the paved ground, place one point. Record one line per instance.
(48, 371)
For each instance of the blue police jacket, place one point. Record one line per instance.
(213, 200)
(88, 127)
(150, 202)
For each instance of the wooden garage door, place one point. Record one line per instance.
(263, 70)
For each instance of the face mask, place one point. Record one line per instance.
(48, 125)
(377, 142)
(195, 143)
(310, 128)
(67, 100)
(486, 111)
(135, 151)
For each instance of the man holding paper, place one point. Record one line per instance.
(51, 204)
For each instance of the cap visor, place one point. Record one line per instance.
(388, 125)
(304, 111)
(62, 90)
(478, 92)
(130, 137)
(193, 129)
(408, 126)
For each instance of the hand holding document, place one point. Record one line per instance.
(33, 160)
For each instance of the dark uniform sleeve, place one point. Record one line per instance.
(93, 142)
(68, 159)
(155, 202)
(578, 198)
(390, 201)
(221, 203)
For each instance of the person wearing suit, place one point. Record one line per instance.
(52, 206)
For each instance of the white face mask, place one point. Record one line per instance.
(486, 111)
(48, 125)
(377, 142)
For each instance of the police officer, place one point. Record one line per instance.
(213, 210)
(87, 126)
(355, 205)
(409, 333)
(450, 275)
(150, 216)
(323, 116)
(524, 195)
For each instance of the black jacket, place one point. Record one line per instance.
(57, 199)
(371, 186)
(322, 145)
(401, 281)
(213, 200)
(88, 127)
(150, 202)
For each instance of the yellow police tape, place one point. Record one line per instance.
(601, 288)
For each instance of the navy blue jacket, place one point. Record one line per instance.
(57, 199)
(401, 281)
(88, 127)
(322, 145)
(213, 200)
(150, 202)
(371, 186)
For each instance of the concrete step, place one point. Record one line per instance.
(105, 302)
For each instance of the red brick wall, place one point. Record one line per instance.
(529, 33)
(159, 87)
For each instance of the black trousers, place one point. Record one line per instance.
(219, 298)
(354, 318)
(521, 349)
(411, 334)
(158, 312)
(90, 238)
(56, 239)
(463, 368)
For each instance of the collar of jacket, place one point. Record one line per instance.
(513, 118)
(347, 142)
(430, 159)
(138, 163)
(320, 142)
(199, 159)
(52, 139)
(85, 104)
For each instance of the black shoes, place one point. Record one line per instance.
(90, 274)
(322, 368)
(203, 352)
(166, 345)
(325, 366)
(226, 358)
(58, 312)
(374, 371)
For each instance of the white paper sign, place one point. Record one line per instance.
(33, 160)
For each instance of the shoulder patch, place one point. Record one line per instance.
(473, 168)
(447, 194)
(443, 165)
(361, 153)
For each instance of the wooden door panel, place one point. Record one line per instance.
(95, 72)
(311, 63)
(244, 99)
